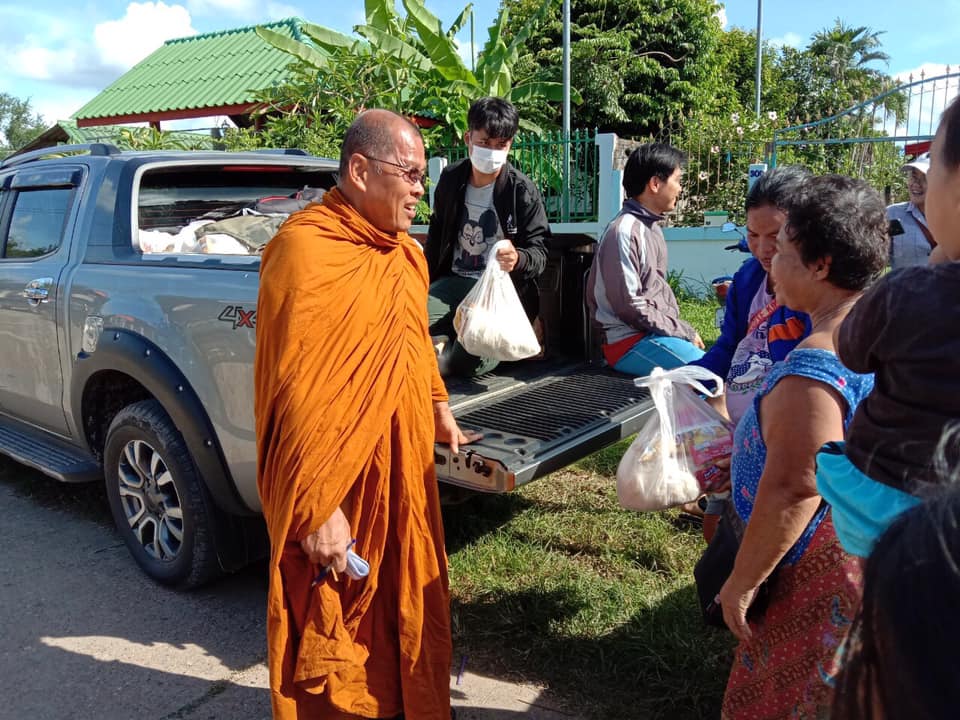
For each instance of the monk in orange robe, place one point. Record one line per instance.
(348, 403)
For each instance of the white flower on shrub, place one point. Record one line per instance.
(739, 131)
(715, 149)
(772, 114)
(703, 175)
(735, 118)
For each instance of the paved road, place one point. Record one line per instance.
(87, 635)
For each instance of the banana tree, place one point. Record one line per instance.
(421, 62)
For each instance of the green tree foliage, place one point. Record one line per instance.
(720, 148)
(19, 124)
(834, 72)
(313, 109)
(635, 62)
(147, 138)
(826, 88)
(847, 53)
(408, 64)
(735, 68)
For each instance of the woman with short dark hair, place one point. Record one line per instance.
(833, 244)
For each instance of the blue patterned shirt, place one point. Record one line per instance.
(749, 449)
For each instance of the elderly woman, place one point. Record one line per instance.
(833, 245)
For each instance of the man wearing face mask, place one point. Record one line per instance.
(468, 195)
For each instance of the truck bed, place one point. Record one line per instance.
(536, 417)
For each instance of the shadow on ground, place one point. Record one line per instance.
(83, 500)
(662, 663)
(87, 635)
(478, 515)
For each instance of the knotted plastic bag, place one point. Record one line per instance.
(672, 459)
(491, 321)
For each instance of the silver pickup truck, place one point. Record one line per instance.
(128, 298)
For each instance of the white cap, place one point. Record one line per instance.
(920, 162)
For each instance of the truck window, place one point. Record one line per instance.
(37, 222)
(231, 210)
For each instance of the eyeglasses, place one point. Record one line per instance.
(410, 175)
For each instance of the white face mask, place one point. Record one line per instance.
(486, 160)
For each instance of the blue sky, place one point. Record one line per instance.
(60, 55)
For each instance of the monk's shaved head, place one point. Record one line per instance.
(381, 169)
(373, 133)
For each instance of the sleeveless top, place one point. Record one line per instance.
(749, 449)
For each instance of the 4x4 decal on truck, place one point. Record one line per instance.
(239, 317)
(187, 410)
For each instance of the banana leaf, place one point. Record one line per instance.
(327, 38)
(312, 56)
(379, 13)
(439, 48)
(542, 89)
(457, 24)
(384, 42)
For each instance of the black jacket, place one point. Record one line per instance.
(519, 207)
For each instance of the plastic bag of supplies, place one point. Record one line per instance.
(491, 321)
(671, 460)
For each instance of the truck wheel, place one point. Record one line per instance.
(157, 498)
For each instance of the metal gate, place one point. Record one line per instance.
(872, 139)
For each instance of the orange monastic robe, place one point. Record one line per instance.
(345, 376)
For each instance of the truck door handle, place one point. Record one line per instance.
(38, 291)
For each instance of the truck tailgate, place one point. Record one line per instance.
(536, 422)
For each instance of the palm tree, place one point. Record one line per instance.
(847, 53)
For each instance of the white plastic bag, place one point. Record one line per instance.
(671, 461)
(491, 321)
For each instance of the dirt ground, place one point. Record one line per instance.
(87, 635)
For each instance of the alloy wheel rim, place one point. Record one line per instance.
(150, 502)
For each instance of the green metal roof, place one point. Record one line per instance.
(214, 70)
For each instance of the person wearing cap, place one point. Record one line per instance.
(910, 238)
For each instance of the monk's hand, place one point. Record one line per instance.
(735, 601)
(327, 545)
(507, 257)
(698, 341)
(447, 429)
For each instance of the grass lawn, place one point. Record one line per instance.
(556, 584)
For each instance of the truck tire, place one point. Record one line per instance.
(159, 503)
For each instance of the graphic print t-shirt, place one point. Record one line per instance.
(479, 230)
(751, 360)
